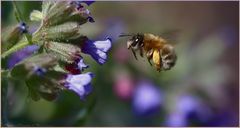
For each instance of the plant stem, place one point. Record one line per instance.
(15, 48)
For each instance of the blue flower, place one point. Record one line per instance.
(21, 54)
(80, 84)
(147, 99)
(188, 109)
(176, 120)
(81, 65)
(88, 2)
(97, 49)
(77, 67)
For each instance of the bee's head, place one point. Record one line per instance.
(135, 42)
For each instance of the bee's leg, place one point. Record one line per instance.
(141, 52)
(134, 54)
(149, 56)
(149, 62)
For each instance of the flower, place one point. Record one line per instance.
(83, 10)
(21, 54)
(188, 109)
(80, 84)
(88, 2)
(77, 67)
(97, 49)
(124, 86)
(176, 120)
(147, 99)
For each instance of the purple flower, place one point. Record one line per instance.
(77, 67)
(80, 84)
(176, 120)
(88, 2)
(147, 99)
(97, 49)
(188, 109)
(21, 54)
(81, 65)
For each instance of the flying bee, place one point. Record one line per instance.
(157, 49)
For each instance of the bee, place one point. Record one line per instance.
(157, 49)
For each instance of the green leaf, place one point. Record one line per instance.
(36, 15)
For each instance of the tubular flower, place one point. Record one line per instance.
(21, 54)
(147, 99)
(77, 67)
(80, 84)
(97, 49)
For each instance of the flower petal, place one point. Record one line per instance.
(97, 49)
(103, 45)
(82, 65)
(81, 79)
(80, 84)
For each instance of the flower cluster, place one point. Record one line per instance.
(73, 45)
(80, 83)
(58, 64)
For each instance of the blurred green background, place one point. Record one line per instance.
(207, 47)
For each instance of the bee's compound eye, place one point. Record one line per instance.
(136, 40)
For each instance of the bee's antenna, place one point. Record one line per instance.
(123, 35)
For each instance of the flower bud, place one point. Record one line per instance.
(33, 65)
(64, 11)
(65, 52)
(62, 32)
(15, 35)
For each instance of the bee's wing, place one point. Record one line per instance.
(171, 35)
